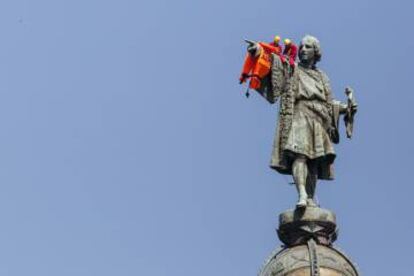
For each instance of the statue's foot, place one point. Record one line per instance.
(311, 202)
(301, 203)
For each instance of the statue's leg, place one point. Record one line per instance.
(300, 173)
(311, 182)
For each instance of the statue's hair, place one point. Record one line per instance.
(316, 46)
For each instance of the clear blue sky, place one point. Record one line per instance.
(128, 148)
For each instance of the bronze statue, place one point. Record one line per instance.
(308, 118)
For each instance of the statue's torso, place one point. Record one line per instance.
(310, 85)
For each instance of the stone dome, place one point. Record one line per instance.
(309, 259)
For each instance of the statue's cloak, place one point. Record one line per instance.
(307, 126)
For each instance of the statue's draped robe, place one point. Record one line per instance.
(308, 118)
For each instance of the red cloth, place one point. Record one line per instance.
(271, 47)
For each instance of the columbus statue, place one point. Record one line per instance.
(307, 129)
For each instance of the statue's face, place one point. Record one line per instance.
(306, 51)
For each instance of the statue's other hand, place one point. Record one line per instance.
(352, 104)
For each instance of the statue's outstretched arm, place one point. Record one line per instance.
(272, 84)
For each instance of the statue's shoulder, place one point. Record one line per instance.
(324, 77)
(322, 73)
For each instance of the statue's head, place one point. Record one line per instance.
(310, 50)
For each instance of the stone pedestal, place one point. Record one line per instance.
(300, 225)
(308, 235)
